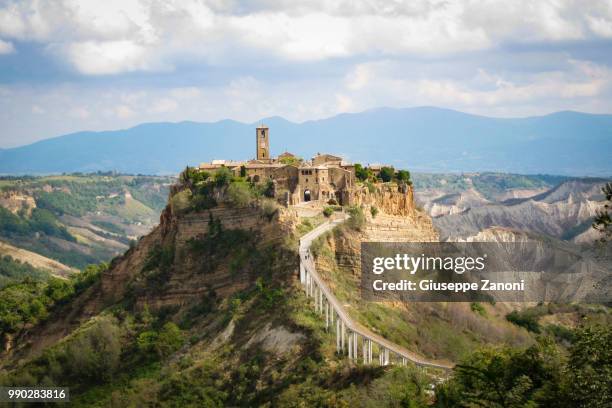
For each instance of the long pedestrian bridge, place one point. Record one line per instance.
(352, 339)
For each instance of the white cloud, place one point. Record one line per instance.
(301, 59)
(124, 112)
(79, 113)
(6, 47)
(358, 77)
(345, 104)
(164, 105)
(126, 35)
(37, 110)
(111, 57)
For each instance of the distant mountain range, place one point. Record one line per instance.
(422, 139)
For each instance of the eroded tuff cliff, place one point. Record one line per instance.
(191, 272)
(390, 214)
(222, 250)
(191, 254)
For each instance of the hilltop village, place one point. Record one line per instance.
(323, 178)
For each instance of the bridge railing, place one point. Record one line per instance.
(349, 335)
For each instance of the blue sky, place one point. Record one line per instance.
(71, 65)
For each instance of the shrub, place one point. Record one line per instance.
(403, 175)
(386, 174)
(357, 219)
(374, 211)
(362, 173)
(269, 209)
(160, 344)
(590, 368)
(160, 257)
(526, 320)
(169, 340)
(504, 377)
(478, 308)
(239, 194)
(93, 355)
(223, 176)
(328, 211)
(294, 161)
(269, 190)
(181, 201)
(370, 186)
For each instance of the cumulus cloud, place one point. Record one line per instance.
(121, 36)
(110, 57)
(117, 63)
(6, 47)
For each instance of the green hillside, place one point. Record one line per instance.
(79, 219)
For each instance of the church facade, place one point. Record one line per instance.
(325, 178)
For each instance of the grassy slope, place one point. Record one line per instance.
(87, 199)
(423, 327)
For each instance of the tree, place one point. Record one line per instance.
(357, 218)
(505, 378)
(403, 175)
(362, 173)
(603, 219)
(94, 354)
(239, 194)
(160, 343)
(589, 369)
(169, 340)
(386, 174)
(223, 176)
(291, 160)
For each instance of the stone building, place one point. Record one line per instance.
(323, 178)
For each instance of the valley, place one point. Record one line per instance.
(558, 207)
(207, 305)
(76, 220)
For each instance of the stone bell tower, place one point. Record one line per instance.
(263, 143)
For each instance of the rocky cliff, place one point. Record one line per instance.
(390, 215)
(192, 273)
(192, 253)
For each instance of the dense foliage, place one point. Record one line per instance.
(79, 219)
(603, 220)
(41, 221)
(386, 174)
(204, 189)
(13, 270)
(357, 218)
(538, 376)
(29, 301)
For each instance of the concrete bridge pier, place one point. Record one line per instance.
(302, 274)
(320, 301)
(342, 333)
(338, 349)
(364, 348)
(383, 356)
